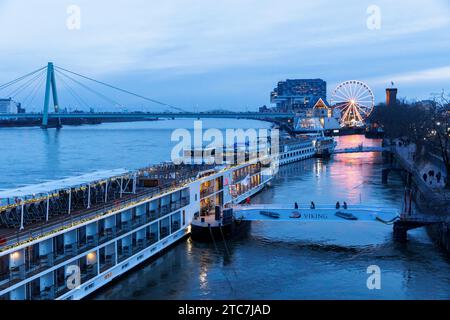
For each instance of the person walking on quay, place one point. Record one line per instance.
(345, 205)
(313, 206)
(296, 205)
(338, 205)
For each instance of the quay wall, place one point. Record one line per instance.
(429, 201)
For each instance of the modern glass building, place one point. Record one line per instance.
(297, 94)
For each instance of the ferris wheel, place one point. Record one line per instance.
(355, 100)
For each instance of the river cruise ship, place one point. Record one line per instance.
(65, 239)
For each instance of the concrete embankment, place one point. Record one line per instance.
(430, 198)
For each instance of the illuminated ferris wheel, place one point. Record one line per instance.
(355, 100)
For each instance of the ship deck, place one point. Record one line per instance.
(169, 176)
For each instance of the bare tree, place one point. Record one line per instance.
(440, 134)
(425, 124)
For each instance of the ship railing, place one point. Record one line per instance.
(20, 236)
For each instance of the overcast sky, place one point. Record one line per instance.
(207, 54)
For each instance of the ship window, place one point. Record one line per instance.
(164, 227)
(4, 267)
(81, 236)
(152, 233)
(58, 244)
(175, 222)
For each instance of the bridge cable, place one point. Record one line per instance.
(23, 86)
(72, 92)
(33, 91)
(113, 102)
(36, 91)
(123, 90)
(5, 85)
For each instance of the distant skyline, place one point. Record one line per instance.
(231, 54)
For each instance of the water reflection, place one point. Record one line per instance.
(304, 260)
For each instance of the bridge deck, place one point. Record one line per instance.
(152, 115)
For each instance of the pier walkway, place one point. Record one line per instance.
(322, 213)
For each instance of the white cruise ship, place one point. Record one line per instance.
(305, 146)
(296, 149)
(65, 239)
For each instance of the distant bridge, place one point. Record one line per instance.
(25, 89)
(361, 149)
(151, 115)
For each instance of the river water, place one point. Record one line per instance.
(282, 260)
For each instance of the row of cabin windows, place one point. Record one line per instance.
(106, 254)
(60, 248)
(296, 153)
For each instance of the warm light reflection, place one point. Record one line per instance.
(15, 256)
(203, 277)
(351, 179)
(91, 258)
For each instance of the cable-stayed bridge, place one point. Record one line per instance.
(60, 89)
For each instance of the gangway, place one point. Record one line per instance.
(322, 213)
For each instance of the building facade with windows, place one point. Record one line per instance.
(9, 106)
(298, 94)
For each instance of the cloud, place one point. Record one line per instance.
(159, 43)
(415, 77)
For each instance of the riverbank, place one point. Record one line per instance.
(37, 122)
(431, 198)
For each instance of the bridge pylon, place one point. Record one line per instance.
(50, 85)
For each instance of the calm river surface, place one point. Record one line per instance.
(275, 260)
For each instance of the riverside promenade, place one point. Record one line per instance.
(431, 206)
